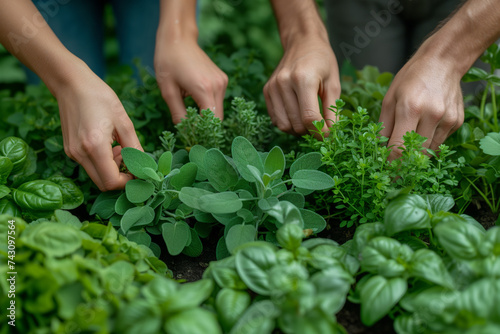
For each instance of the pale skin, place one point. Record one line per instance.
(425, 95)
(92, 116)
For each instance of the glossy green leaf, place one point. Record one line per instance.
(385, 256)
(459, 240)
(139, 316)
(53, 239)
(220, 172)
(193, 321)
(245, 154)
(5, 169)
(307, 161)
(67, 218)
(275, 161)
(8, 207)
(139, 191)
(379, 295)
(117, 276)
(220, 203)
(71, 194)
(16, 150)
(312, 180)
(38, 195)
(176, 236)
(258, 319)
(491, 144)
(286, 212)
(189, 296)
(165, 163)
(54, 144)
(230, 305)
(290, 236)
(436, 202)
(406, 212)
(4, 191)
(238, 235)
(428, 265)
(253, 265)
(186, 176)
(137, 217)
(138, 162)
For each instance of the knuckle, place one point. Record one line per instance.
(205, 86)
(310, 115)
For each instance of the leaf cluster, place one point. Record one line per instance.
(23, 193)
(183, 196)
(296, 289)
(355, 154)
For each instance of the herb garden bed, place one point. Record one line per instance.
(234, 227)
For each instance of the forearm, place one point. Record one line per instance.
(177, 21)
(24, 32)
(298, 19)
(465, 36)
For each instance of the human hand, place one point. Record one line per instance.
(92, 118)
(184, 69)
(425, 96)
(308, 69)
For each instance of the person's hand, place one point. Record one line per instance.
(425, 96)
(92, 118)
(184, 69)
(308, 69)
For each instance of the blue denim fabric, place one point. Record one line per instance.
(79, 24)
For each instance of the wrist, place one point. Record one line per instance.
(177, 21)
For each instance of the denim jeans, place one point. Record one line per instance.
(79, 24)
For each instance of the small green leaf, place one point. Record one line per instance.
(192, 321)
(176, 236)
(220, 203)
(312, 180)
(137, 217)
(104, 205)
(460, 240)
(221, 174)
(258, 319)
(491, 144)
(191, 196)
(8, 207)
(275, 161)
(238, 235)
(230, 305)
(406, 212)
(286, 212)
(196, 155)
(54, 144)
(428, 265)
(378, 296)
(308, 161)
(16, 150)
(5, 169)
(165, 163)
(253, 264)
(195, 248)
(290, 236)
(139, 163)
(139, 191)
(313, 220)
(245, 154)
(186, 176)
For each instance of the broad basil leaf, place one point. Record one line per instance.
(427, 265)
(436, 203)
(230, 305)
(193, 321)
(258, 319)
(459, 240)
(176, 236)
(16, 150)
(139, 316)
(220, 173)
(52, 238)
(290, 236)
(71, 194)
(6, 167)
(4, 191)
(245, 154)
(253, 264)
(385, 256)
(8, 207)
(379, 295)
(406, 212)
(38, 195)
(286, 212)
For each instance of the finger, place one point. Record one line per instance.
(205, 99)
(126, 136)
(307, 95)
(172, 95)
(104, 162)
(220, 93)
(404, 122)
(289, 99)
(329, 97)
(387, 114)
(276, 109)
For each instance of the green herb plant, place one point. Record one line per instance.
(23, 193)
(355, 154)
(182, 200)
(295, 289)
